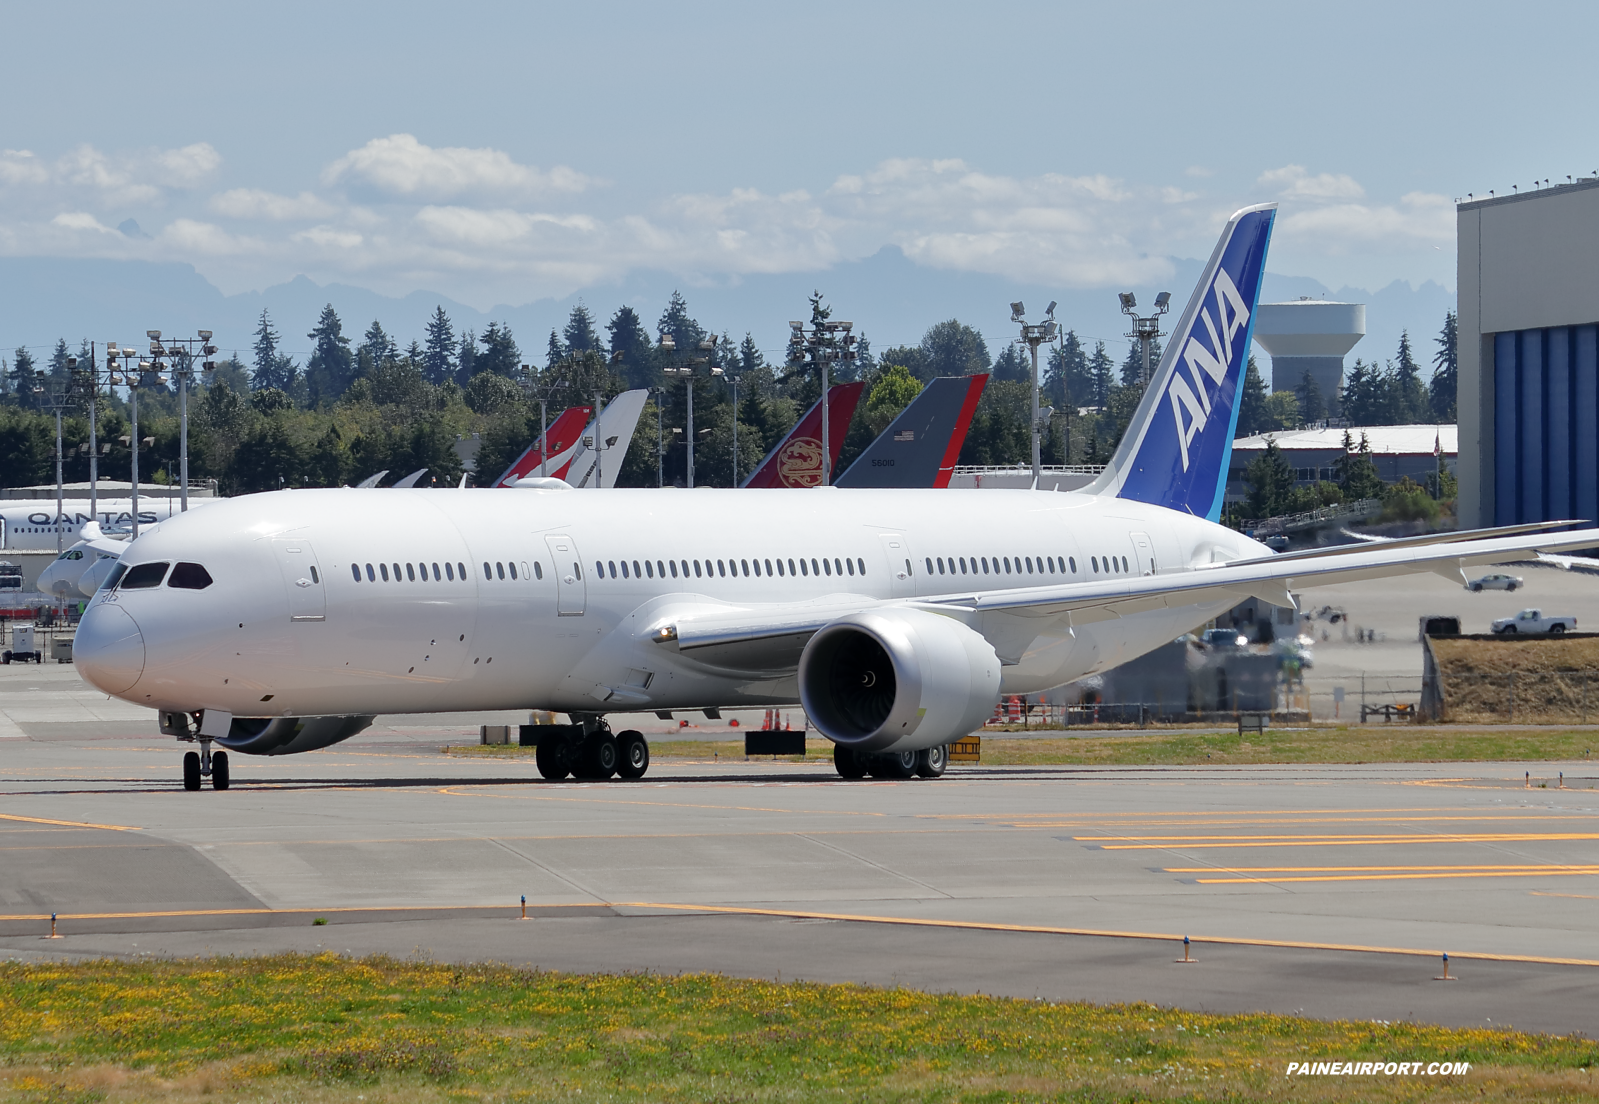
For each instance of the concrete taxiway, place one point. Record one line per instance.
(1328, 890)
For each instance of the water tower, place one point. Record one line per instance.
(1309, 334)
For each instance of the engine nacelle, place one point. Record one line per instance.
(897, 680)
(289, 735)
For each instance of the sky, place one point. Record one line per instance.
(501, 153)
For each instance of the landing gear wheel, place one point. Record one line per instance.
(191, 770)
(930, 762)
(894, 764)
(551, 763)
(600, 758)
(219, 770)
(634, 752)
(847, 762)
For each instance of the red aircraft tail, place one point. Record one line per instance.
(797, 459)
(562, 435)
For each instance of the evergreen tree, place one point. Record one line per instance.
(266, 354)
(1442, 390)
(1252, 413)
(891, 393)
(498, 355)
(414, 354)
(22, 377)
(675, 320)
(1364, 394)
(631, 348)
(331, 369)
(579, 335)
(438, 358)
(1356, 471)
(1282, 411)
(1100, 367)
(1410, 402)
(1066, 380)
(749, 354)
(379, 346)
(865, 363)
(953, 349)
(1133, 366)
(466, 357)
(1312, 406)
(1013, 365)
(1271, 483)
(556, 352)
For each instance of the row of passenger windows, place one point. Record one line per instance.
(1034, 565)
(416, 572)
(720, 569)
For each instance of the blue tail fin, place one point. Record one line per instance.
(1177, 447)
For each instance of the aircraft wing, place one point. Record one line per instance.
(1012, 619)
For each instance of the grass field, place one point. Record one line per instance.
(1400, 743)
(327, 1028)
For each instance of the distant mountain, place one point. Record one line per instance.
(890, 298)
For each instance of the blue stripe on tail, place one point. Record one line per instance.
(1177, 447)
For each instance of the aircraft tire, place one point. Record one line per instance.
(191, 770)
(219, 771)
(634, 757)
(599, 758)
(551, 763)
(930, 762)
(847, 762)
(898, 765)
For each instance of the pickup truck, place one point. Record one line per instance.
(1534, 621)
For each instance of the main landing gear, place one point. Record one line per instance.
(205, 764)
(589, 750)
(927, 763)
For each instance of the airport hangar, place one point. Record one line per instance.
(1528, 288)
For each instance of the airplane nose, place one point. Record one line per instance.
(109, 650)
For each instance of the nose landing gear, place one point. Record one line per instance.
(197, 765)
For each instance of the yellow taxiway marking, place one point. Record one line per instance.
(1352, 869)
(906, 921)
(1164, 843)
(1529, 872)
(69, 823)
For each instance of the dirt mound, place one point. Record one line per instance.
(1549, 680)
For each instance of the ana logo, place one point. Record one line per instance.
(1191, 406)
(800, 463)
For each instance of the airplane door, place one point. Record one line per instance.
(302, 576)
(571, 592)
(901, 571)
(1144, 554)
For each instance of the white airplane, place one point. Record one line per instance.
(31, 525)
(282, 622)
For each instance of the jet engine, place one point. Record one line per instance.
(897, 680)
(289, 735)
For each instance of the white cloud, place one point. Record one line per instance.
(253, 203)
(1294, 182)
(403, 166)
(22, 167)
(80, 220)
(329, 237)
(189, 165)
(139, 177)
(1419, 218)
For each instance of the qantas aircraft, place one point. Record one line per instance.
(282, 622)
(31, 525)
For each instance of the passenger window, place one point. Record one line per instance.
(985, 565)
(449, 572)
(744, 565)
(696, 569)
(1094, 563)
(674, 569)
(499, 569)
(851, 565)
(315, 578)
(828, 568)
(637, 574)
(371, 576)
(814, 569)
(538, 570)
(721, 570)
(1028, 560)
(410, 573)
(191, 576)
(437, 578)
(769, 566)
(396, 572)
(513, 569)
(625, 575)
(355, 570)
(1073, 561)
(660, 568)
(804, 570)
(145, 575)
(385, 569)
(649, 569)
(757, 564)
(422, 570)
(861, 563)
(461, 570)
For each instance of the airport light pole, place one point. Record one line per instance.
(732, 377)
(823, 346)
(54, 397)
(543, 390)
(686, 370)
(1145, 329)
(658, 394)
(182, 350)
(130, 377)
(1033, 336)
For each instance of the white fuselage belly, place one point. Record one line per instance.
(571, 640)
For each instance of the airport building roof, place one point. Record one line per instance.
(1387, 440)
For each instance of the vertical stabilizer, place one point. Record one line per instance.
(603, 442)
(1177, 447)
(919, 447)
(797, 459)
(561, 435)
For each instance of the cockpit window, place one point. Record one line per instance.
(115, 577)
(189, 576)
(143, 576)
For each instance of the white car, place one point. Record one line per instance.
(1495, 581)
